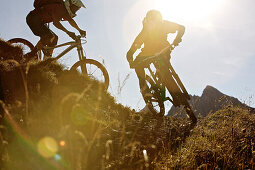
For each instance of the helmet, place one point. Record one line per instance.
(77, 3)
(153, 15)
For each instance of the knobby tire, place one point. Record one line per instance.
(98, 65)
(155, 91)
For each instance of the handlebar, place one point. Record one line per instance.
(78, 38)
(156, 56)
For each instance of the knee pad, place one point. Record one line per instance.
(49, 39)
(54, 40)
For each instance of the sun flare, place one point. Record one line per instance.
(189, 11)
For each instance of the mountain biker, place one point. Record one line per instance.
(154, 37)
(47, 11)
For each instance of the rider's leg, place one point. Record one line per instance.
(142, 82)
(40, 29)
(49, 39)
(141, 77)
(35, 24)
(53, 42)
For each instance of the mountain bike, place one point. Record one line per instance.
(160, 76)
(88, 67)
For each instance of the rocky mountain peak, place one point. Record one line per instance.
(210, 91)
(210, 101)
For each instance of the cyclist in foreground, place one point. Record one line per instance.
(47, 11)
(154, 37)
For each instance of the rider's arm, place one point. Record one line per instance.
(58, 25)
(180, 32)
(172, 27)
(75, 25)
(136, 45)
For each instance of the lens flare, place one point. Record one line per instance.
(57, 157)
(62, 143)
(79, 116)
(47, 147)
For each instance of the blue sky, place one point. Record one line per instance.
(217, 48)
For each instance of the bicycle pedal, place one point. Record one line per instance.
(168, 98)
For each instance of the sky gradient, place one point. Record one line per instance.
(217, 48)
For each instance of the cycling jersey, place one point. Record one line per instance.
(41, 3)
(156, 40)
(52, 12)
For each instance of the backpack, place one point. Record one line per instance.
(40, 3)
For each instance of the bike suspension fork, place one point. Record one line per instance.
(82, 57)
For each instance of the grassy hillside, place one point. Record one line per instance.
(55, 119)
(222, 140)
(59, 104)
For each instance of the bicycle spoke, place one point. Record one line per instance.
(154, 102)
(94, 71)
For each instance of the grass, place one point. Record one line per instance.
(52, 118)
(222, 140)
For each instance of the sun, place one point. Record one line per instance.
(195, 12)
(190, 13)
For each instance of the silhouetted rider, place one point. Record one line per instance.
(154, 37)
(47, 11)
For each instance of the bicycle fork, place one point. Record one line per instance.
(81, 57)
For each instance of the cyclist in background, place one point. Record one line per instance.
(154, 37)
(47, 11)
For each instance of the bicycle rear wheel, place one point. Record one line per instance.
(93, 69)
(179, 97)
(26, 45)
(153, 97)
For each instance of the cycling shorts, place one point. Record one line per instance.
(37, 26)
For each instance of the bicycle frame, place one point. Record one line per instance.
(165, 78)
(156, 57)
(160, 84)
(73, 44)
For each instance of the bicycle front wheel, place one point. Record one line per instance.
(93, 69)
(153, 97)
